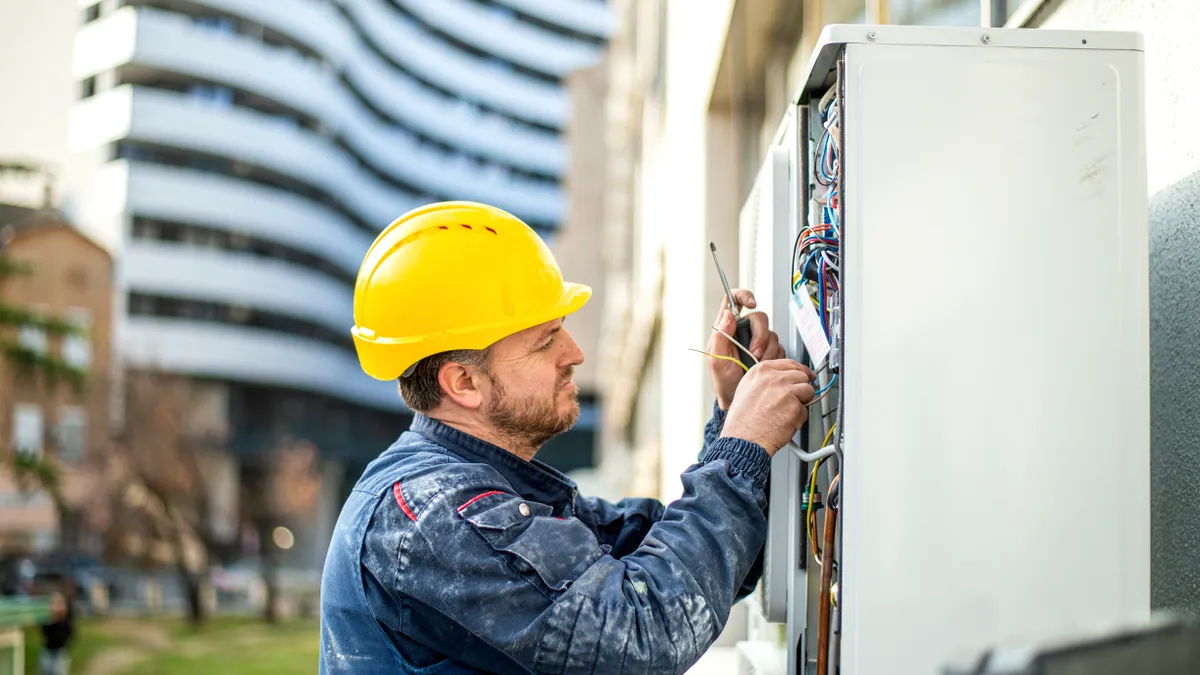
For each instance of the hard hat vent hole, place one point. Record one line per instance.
(442, 227)
(490, 230)
(466, 226)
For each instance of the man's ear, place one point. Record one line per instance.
(459, 384)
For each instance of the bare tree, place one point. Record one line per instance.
(156, 500)
(286, 490)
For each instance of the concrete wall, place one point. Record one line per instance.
(1173, 149)
(578, 244)
(36, 43)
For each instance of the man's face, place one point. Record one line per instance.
(532, 393)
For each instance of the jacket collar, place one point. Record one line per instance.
(535, 481)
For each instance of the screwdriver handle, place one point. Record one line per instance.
(742, 335)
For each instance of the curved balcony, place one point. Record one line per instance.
(252, 355)
(583, 16)
(182, 271)
(175, 194)
(172, 120)
(163, 41)
(407, 42)
(504, 36)
(343, 30)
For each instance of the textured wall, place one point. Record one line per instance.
(1175, 392)
(1173, 147)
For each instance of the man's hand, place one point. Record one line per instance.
(764, 344)
(771, 404)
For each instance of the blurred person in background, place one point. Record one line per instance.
(57, 634)
(459, 552)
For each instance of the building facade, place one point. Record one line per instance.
(239, 158)
(69, 278)
(697, 88)
(1173, 154)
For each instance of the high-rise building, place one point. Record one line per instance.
(239, 158)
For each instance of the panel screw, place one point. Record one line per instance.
(871, 36)
(524, 509)
(986, 38)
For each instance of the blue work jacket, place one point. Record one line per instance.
(452, 555)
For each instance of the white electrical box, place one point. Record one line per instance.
(965, 248)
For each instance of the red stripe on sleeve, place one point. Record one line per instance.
(403, 504)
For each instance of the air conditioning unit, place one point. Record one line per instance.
(951, 226)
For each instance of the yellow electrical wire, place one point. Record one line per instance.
(810, 525)
(737, 344)
(828, 435)
(808, 519)
(723, 358)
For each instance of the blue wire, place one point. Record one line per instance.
(821, 292)
(826, 146)
(804, 267)
(824, 389)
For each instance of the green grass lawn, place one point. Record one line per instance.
(89, 641)
(233, 646)
(238, 647)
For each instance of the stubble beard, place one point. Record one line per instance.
(533, 419)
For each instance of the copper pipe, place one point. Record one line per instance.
(823, 607)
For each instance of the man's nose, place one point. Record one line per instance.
(572, 355)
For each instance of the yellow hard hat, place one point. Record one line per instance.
(453, 275)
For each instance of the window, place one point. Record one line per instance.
(217, 24)
(211, 94)
(33, 338)
(27, 429)
(72, 433)
(91, 13)
(77, 348)
(87, 88)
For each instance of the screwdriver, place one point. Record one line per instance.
(742, 333)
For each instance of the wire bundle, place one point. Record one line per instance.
(816, 264)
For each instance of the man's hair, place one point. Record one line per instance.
(421, 390)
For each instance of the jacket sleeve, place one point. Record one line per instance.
(623, 526)
(541, 589)
(712, 431)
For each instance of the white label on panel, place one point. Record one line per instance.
(804, 315)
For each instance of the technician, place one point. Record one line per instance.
(457, 551)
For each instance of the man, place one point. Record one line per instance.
(57, 633)
(458, 552)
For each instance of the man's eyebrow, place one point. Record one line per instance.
(548, 333)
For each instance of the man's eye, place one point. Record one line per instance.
(546, 346)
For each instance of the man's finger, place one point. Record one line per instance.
(804, 392)
(727, 324)
(790, 378)
(791, 365)
(744, 297)
(760, 332)
(774, 350)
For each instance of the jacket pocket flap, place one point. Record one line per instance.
(495, 513)
(556, 551)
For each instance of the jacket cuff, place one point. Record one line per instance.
(746, 460)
